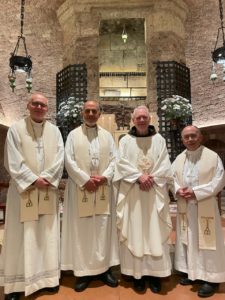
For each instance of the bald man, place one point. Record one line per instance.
(199, 252)
(143, 172)
(34, 155)
(89, 238)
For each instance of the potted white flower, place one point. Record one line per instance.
(176, 108)
(69, 112)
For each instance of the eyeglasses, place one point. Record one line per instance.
(41, 104)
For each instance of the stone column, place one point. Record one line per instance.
(81, 36)
(165, 39)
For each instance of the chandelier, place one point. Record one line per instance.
(218, 54)
(20, 63)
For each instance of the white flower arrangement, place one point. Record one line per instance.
(69, 111)
(176, 107)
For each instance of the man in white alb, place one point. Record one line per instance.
(143, 173)
(89, 238)
(199, 177)
(34, 155)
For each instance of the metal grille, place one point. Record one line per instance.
(71, 82)
(172, 79)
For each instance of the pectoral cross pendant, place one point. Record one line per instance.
(94, 163)
(95, 159)
(39, 146)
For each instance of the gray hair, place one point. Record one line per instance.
(139, 108)
(32, 96)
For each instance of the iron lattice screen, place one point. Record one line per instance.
(172, 79)
(71, 82)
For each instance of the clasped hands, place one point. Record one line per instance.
(41, 183)
(145, 182)
(186, 193)
(94, 182)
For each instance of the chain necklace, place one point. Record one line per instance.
(37, 139)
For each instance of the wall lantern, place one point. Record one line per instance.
(20, 63)
(218, 54)
(124, 34)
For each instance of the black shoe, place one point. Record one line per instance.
(207, 289)
(82, 283)
(12, 296)
(139, 285)
(155, 284)
(186, 281)
(109, 279)
(54, 289)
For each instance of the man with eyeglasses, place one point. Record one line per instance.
(89, 239)
(34, 155)
(199, 177)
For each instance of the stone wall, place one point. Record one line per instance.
(164, 34)
(208, 99)
(44, 43)
(65, 32)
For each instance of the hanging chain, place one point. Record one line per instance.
(21, 37)
(221, 17)
(22, 16)
(221, 12)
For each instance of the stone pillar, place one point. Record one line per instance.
(165, 40)
(81, 35)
